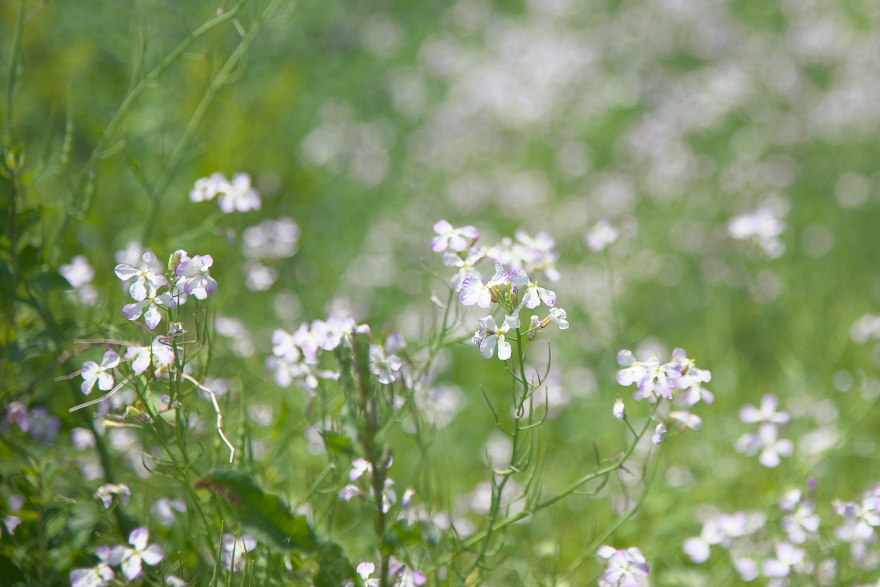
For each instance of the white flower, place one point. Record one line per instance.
(383, 367)
(659, 434)
(489, 336)
(456, 239)
(158, 354)
(207, 187)
(619, 409)
(97, 576)
(559, 316)
(766, 413)
(239, 195)
(601, 235)
(194, 275)
(106, 492)
(93, 372)
(132, 558)
(153, 300)
(474, 291)
(148, 278)
(234, 550)
(465, 266)
(535, 295)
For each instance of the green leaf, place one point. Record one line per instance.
(264, 513)
(339, 444)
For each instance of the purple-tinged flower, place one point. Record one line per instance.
(384, 367)
(194, 277)
(106, 492)
(767, 442)
(474, 291)
(239, 195)
(403, 576)
(690, 374)
(766, 413)
(158, 355)
(82, 438)
(152, 317)
(359, 466)
(802, 521)
(132, 559)
(349, 491)
(490, 335)
(234, 551)
(163, 509)
(148, 278)
(535, 295)
(619, 409)
(659, 434)
(365, 570)
(80, 275)
(686, 420)
(625, 567)
(466, 266)
(456, 239)
(284, 346)
(503, 278)
(11, 522)
(93, 372)
(207, 187)
(97, 576)
(651, 377)
(787, 556)
(174, 581)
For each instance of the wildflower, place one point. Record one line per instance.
(465, 266)
(474, 291)
(207, 187)
(271, 239)
(649, 376)
(659, 434)
(559, 316)
(82, 438)
(146, 279)
(234, 549)
(152, 317)
(106, 492)
(384, 367)
(625, 567)
(767, 442)
(601, 235)
(763, 226)
(535, 295)
(239, 195)
(504, 279)
(365, 570)
(97, 576)
(163, 509)
(489, 336)
(690, 374)
(158, 354)
(405, 577)
(93, 372)
(194, 276)
(349, 491)
(132, 558)
(787, 556)
(766, 413)
(802, 521)
(456, 239)
(359, 467)
(619, 409)
(80, 275)
(686, 420)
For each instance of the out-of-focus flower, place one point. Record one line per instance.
(456, 239)
(271, 239)
(601, 235)
(163, 509)
(82, 438)
(132, 558)
(365, 570)
(619, 409)
(626, 567)
(802, 520)
(466, 266)
(763, 226)
(239, 195)
(384, 367)
(207, 187)
(80, 275)
(94, 373)
(147, 278)
(106, 492)
(259, 277)
(649, 376)
(766, 413)
(767, 442)
(659, 434)
(97, 576)
(234, 551)
(787, 556)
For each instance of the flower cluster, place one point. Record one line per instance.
(509, 288)
(399, 574)
(37, 421)
(625, 567)
(360, 484)
(757, 549)
(79, 273)
(158, 356)
(130, 558)
(765, 440)
(297, 356)
(763, 226)
(679, 381)
(236, 194)
(187, 275)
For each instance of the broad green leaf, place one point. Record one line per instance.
(265, 513)
(339, 444)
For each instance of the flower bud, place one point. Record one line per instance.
(659, 434)
(619, 410)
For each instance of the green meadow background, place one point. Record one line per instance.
(366, 123)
